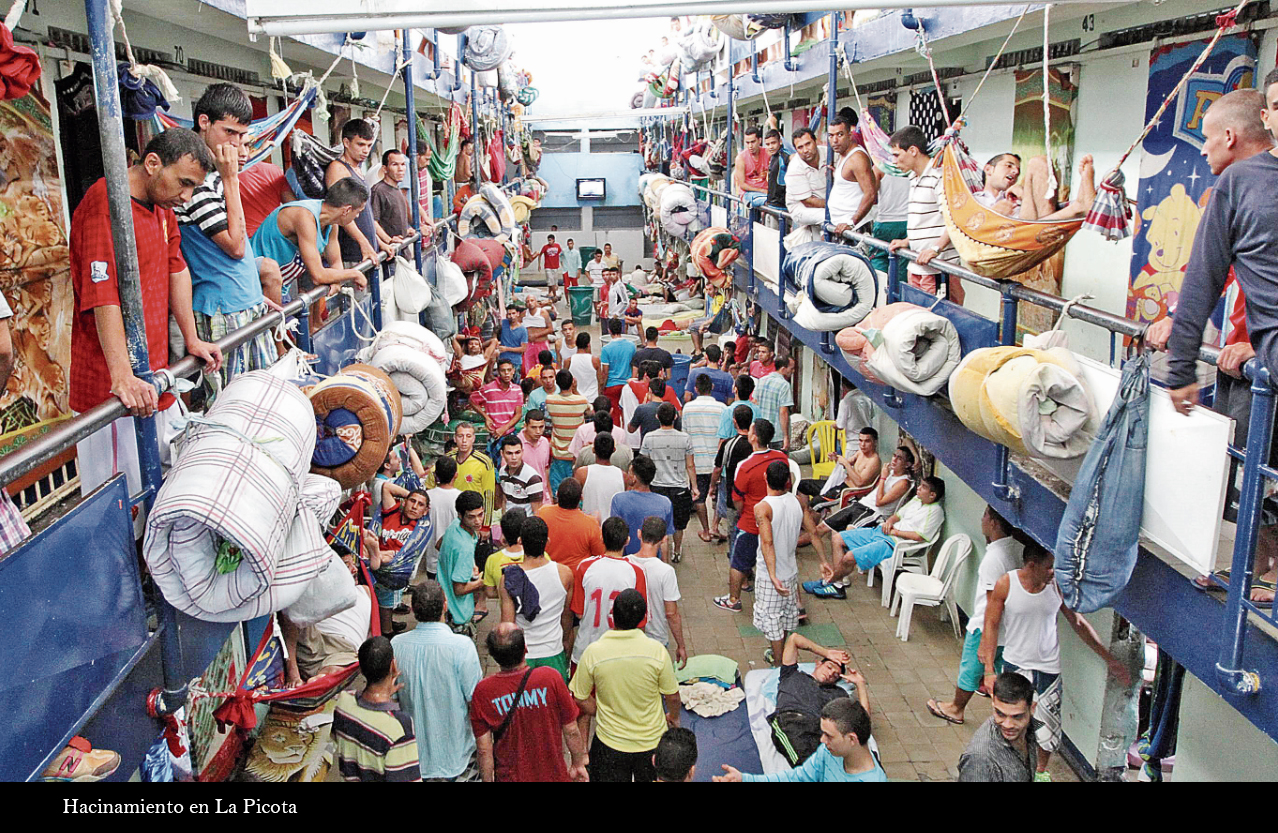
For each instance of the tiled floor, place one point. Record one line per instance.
(913, 744)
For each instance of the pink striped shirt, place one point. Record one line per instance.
(499, 404)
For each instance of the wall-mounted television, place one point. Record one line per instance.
(592, 188)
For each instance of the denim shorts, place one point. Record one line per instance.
(971, 671)
(745, 552)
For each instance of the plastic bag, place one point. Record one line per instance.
(412, 292)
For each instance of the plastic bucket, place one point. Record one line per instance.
(679, 373)
(581, 301)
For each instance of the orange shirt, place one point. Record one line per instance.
(574, 535)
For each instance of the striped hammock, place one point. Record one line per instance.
(264, 135)
(989, 243)
(878, 144)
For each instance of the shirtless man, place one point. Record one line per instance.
(1006, 196)
(473, 360)
(862, 470)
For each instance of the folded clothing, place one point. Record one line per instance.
(708, 699)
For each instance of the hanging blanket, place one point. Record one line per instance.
(989, 243)
(903, 346)
(236, 530)
(19, 67)
(837, 286)
(652, 192)
(1099, 535)
(311, 158)
(679, 211)
(264, 135)
(357, 414)
(1035, 402)
(477, 269)
(714, 251)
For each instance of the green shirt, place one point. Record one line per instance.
(457, 564)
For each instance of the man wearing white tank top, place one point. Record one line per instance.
(854, 188)
(1021, 614)
(585, 368)
(776, 601)
(544, 631)
(606, 480)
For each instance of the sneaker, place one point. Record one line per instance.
(402, 608)
(79, 762)
(811, 586)
(769, 657)
(725, 603)
(676, 557)
(827, 591)
(1043, 776)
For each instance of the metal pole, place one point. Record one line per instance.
(831, 107)
(474, 131)
(128, 278)
(732, 112)
(789, 61)
(414, 184)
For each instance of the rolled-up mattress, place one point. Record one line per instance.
(836, 286)
(714, 250)
(488, 213)
(486, 47)
(477, 269)
(357, 415)
(501, 256)
(1033, 401)
(737, 26)
(411, 335)
(903, 346)
(420, 382)
(698, 45)
(236, 530)
(678, 210)
(652, 192)
(522, 207)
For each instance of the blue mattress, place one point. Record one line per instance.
(725, 739)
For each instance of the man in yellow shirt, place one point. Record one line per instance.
(622, 679)
(512, 522)
(474, 469)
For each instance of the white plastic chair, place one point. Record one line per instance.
(934, 589)
(906, 557)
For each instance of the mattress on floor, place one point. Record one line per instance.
(761, 701)
(726, 739)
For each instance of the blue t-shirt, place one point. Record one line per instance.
(822, 768)
(728, 428)
(722, 382)
(636, 507)
(219, 282)
(512, 337)
(269, 241)
(617, 355)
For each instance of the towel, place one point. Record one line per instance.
(709, 700)
(523, 591)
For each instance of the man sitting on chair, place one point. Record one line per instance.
(864, 549)
(1006, 197)
(861, 471)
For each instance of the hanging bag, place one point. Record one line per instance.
(412, 292)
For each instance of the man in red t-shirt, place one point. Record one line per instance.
(527, 747)
(551, 268)
(749, 487)
(750, 172)
(263, 189)
(174, 163)
(399, 519)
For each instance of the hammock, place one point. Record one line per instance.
(989, 243)
(264, 135)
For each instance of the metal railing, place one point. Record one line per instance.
(1256, 471)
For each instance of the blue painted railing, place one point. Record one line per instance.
(1216, 642)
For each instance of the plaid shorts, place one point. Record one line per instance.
(775, 614)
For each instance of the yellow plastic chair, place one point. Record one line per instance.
(829, 438)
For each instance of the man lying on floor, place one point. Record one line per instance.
(796, 723)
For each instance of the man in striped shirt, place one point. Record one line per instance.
(500, 401)
(375, 740)
(567, 411)
(925, 227)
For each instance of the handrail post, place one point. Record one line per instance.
(1260, 429)
(1002, 457)
(474, 130)
(752, 219)
(789, 61)
(128, 277)
(893, 399)
(832, 103)
(414, 183)
(732, 114)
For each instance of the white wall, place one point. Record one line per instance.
(627, 244)
(1216, 743)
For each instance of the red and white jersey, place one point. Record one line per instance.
(598, 581)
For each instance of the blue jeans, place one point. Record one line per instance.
(869, 546)
(1099, 533)
(754, 198)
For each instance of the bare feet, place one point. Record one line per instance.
(1087, 182)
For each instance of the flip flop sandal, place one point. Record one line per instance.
(936, 712)
(705, 537)
(479, 617)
